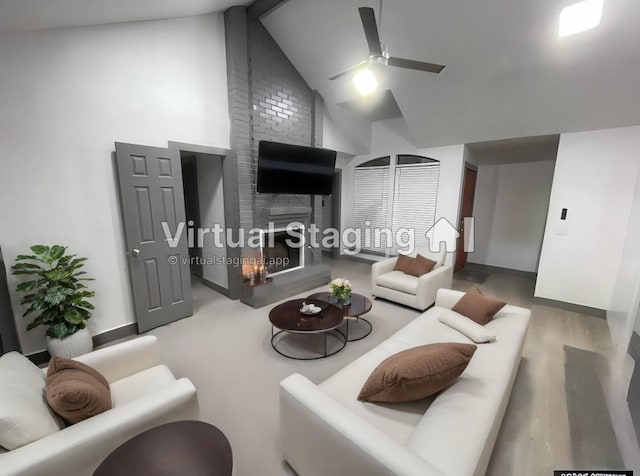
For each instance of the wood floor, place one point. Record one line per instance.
(538, 435)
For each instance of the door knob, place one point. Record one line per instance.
(135, 252)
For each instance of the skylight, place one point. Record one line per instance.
(580, 17)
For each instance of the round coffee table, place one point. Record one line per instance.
(288, 319)
(352, 312)
(181, 448)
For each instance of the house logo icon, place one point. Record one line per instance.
(443, 232)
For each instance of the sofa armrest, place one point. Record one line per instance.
(428, 285)
(448, 298)
(441, 277)
(127, 358)
(80, 448)
(381, 267)
(321, 436)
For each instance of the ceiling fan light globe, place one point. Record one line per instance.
(365, 82)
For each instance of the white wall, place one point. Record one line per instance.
(595, 178)
(65, 97)
(622, 313)
(211, 201)
(510, 211)
(333, 138)
(391, 137)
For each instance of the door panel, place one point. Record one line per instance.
(466, 210)
(151, 192)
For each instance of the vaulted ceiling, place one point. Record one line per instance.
(30, 15)
(508, 73)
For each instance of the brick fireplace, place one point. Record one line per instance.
(269, 100)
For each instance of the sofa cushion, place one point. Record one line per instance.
(402, 263)
(474, 331)
(75, 390)
(399, 281)
(24, 414)
(420, 265)
(480, 395)
(477, 306)
(417, 373)
(397, 420)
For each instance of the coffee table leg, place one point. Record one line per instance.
(325, 344)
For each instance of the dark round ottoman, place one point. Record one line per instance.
(182, 448)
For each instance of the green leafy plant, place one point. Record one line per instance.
(56, 290)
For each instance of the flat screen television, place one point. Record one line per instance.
(295, 169)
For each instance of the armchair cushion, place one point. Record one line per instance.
(403, 263)
(24, 414)
(76, 391)
(399, 281)
(150, 381)
(420, 266)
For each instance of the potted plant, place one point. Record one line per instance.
(57, 298)
(341, 291)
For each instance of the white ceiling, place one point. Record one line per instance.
(30, 15)
(509, 151)
(508, 74)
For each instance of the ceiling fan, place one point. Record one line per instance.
(378, 52)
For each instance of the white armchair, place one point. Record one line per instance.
(145, 394)
(419, 293)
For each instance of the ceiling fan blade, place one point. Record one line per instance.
(368, 17)
(412, 64)
(347, 71)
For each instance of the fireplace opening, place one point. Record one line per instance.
(283, 251)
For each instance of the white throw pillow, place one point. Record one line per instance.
(25, 415)
(474, 331)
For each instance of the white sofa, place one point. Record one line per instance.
(145, 394)
(326, 430)
(419, 293)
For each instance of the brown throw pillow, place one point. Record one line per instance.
(478, 307)
(417, 373)
(420, 266)
(76, 391)
(403, 263)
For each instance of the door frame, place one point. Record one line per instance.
(231, 207)
(336, 205)
(466, 165)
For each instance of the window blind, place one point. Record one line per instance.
(370, 204)
(415, 200)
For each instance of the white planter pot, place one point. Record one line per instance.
(71, 346)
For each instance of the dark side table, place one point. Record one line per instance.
(181, 448)
(357, 327)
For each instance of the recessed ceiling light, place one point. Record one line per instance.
(365, 82)
(580, 17)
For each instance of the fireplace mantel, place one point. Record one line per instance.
(287, 210)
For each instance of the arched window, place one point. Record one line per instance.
(396, 193)
(371, 198)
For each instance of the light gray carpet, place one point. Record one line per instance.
(225, 350)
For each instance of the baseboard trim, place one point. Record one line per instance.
(42, 357)
(115, 334)
(359, 259)
(590, 311)
(211, 285)
(497, 269)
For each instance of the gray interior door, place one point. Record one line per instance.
(151, 192)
